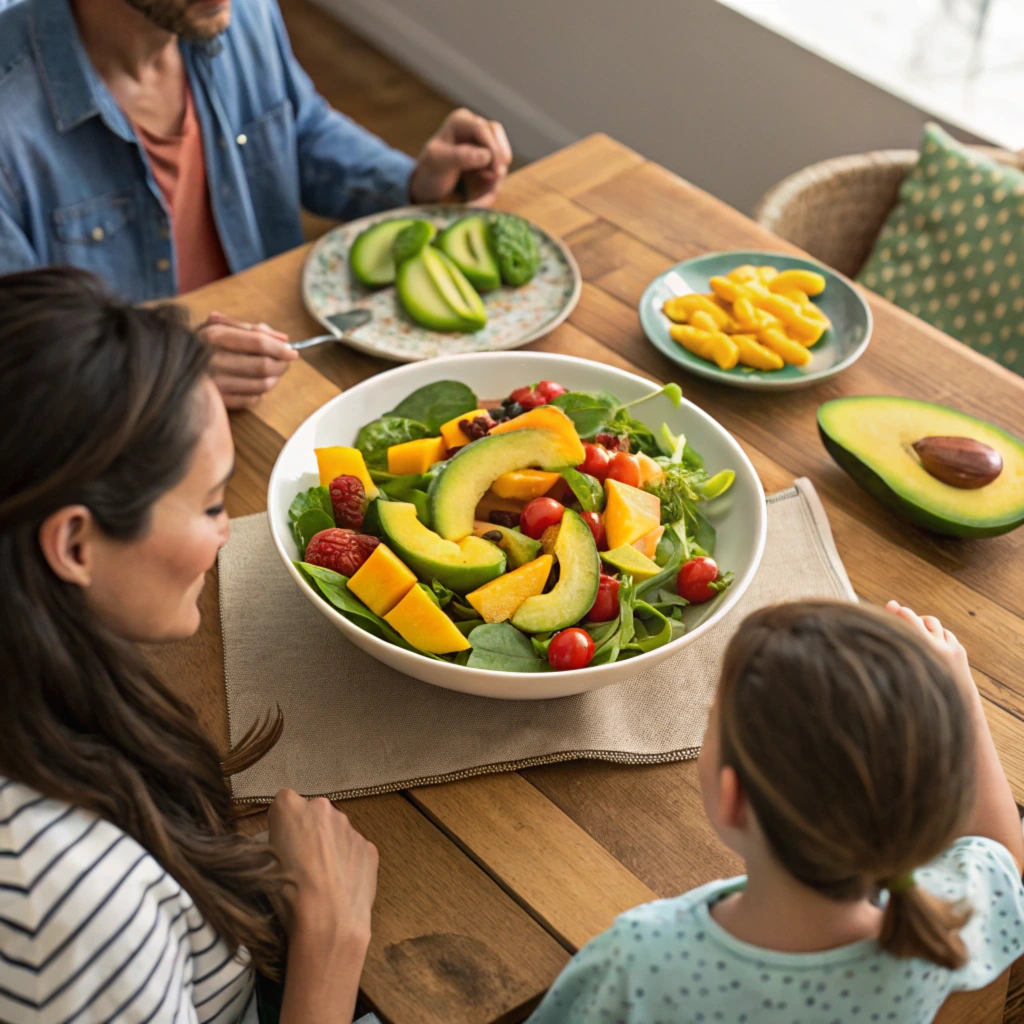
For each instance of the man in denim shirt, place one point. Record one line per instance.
(134, 133)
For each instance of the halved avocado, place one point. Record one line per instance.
(519, 548)
(461, 567)
(463, 480)
(459, 293)
(465, 244)
(438, 307)
(579, 572)
(872, 438)
(371, 258)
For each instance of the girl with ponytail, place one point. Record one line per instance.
(849, 764)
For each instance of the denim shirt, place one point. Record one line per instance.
(75, 184)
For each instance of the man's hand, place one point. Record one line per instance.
(248, 359)
(468, 147)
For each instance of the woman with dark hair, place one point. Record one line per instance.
(125, 892)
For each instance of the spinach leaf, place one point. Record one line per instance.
(435, 404)
(308, 525)
(467, 627)
(397, 487)
(588, 490)
(502, 647)
(460, 611)
(590, 411)
(377, 437)
(641, 437)
(655, 637)
(441, 592)
(334, 587)
(601, 632)
(704, 536)
(314, 498)
(419, 499)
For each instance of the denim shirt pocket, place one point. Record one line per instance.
(93, 223)
(269, 152)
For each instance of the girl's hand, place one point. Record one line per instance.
(333, 870)
(942, 640)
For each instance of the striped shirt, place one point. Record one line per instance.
(93, 929)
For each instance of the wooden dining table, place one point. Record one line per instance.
(489, 885)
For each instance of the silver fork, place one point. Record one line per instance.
(342, 324)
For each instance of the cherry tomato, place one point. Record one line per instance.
(624, 468)
(595, 461)
(593, 520)
(538, 515)
(606, 604)
(694, 577)
(572, 648)
(528, 397)
(549, 389)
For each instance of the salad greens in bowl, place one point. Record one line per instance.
(517, 525)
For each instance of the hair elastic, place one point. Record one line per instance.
(901, 883)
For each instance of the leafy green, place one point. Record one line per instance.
(377, 437)
(396, 488)
(677, 490)
(717, 485)
(308, 525)
(435, 404)
(651, 639)
(722, 583)
(704, 536)
(588, 490)
(598, 412)
(441, 593)
(514, 244)
(503, 648)
(334, 587)
(419, 499)
(315, 500)
(467, 627)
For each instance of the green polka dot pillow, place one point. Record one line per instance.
(952, 250)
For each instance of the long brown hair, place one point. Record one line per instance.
(98, 407)
(851, 742)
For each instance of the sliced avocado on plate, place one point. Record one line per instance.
(410, 241)
(371, 257)
(433, 291)
(465, 244)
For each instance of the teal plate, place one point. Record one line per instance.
(840, 346)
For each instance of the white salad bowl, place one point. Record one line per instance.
(739, 516)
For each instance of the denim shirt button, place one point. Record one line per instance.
(163, 264)
(98, 234)
(242, 139)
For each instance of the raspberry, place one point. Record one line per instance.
(348, 499)
(613, 442)
(343, 551)
(528, 397)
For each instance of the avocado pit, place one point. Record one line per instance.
(959, 461)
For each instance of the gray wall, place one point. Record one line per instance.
(716, 97)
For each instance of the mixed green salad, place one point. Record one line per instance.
(549, 531)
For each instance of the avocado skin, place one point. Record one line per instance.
(876, 486)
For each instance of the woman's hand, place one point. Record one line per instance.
(466, 146)
(248, 359)
(332, 867)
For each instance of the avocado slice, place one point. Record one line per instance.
(371, 257)
(461, 567)
(464, 479)
(411, 239)
(872, 438)
(626, 558)
(579, 572)
(519, 548)
(427, 303)
(465, 244)
(458, 292)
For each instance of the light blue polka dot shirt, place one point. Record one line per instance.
(669, 962)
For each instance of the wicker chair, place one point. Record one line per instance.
(834, 210)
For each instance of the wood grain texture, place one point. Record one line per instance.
(553, 853)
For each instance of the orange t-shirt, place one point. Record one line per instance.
(180, 171)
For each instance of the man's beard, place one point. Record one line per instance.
(172, 16)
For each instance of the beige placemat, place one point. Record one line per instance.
(354, 727)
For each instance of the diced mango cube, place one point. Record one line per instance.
(421, 623)
(338, 461)
(629, 513)
(524, 484)
(382, 580)
(499, 599)
(454, 436)
(650, 471)
(416, 456)
(648, 543)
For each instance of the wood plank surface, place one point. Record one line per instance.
(544, 859)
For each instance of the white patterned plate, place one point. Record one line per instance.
(515, 316)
